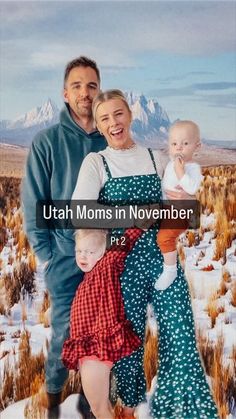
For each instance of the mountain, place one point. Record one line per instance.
(150, 121)
(231, 145)
(149, 126)
(22, 130)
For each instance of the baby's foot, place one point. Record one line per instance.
(166, 278)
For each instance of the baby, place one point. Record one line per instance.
(184, 140)
(100, 334)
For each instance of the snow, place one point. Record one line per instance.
(67, 410)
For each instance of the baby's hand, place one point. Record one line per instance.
(179, 166)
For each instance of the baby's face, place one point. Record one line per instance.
(89, 250)
(183, 141)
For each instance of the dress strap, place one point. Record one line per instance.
(153, 160)
(106, 167)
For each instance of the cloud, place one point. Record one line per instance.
(24, 11)
(227, 101)
(197, 92)
(187, 28)
(57, 54)
(190, 89)
(222, 85)
(183, 76)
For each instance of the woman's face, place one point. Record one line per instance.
(113, 120)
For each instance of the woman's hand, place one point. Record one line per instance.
(179, 195)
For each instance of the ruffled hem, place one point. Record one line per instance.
(191, 400)
(111, 344)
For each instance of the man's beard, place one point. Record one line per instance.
(83, 111)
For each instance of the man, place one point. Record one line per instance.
(52, 168)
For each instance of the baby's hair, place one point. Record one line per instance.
(188, 123)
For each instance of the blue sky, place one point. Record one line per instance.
(181, 53)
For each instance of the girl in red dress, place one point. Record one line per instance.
(100, 334)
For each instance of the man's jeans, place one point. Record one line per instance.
(62, 277)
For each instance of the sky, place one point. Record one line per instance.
(181, 53)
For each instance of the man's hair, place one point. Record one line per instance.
(81, 61)
(108, 95)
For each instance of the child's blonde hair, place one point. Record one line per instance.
(80, 234)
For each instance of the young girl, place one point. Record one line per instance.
(100, 334)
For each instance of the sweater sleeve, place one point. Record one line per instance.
(36, 186)
(191, 180)
(90, 179)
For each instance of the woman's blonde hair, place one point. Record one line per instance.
(108, 95)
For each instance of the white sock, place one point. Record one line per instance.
(166, 278)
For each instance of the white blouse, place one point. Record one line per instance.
(130, 162)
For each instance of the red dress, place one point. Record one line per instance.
(98, 325)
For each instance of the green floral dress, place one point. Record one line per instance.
(181, 390)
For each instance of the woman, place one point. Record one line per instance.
(126, 173)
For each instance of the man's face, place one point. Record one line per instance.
(81, 87)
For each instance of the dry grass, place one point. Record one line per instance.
(18, 379)
(21, 280)
(226, 276)
(223, 288)
(36, 407)
(43, 312)
(12, 161)
(191, 238)
(150, 357)
(181, 254)
(218, 196)
(223, 378)
(213, 309)
(233, 297)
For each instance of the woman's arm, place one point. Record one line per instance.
(181, 194)
(90, 179)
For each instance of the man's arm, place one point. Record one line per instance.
(36, 186)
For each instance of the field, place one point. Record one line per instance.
(209, 256)
(12, 160)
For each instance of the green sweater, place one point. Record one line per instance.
(52, 168)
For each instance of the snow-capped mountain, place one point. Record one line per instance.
(149, 126)
(41, 115)
(150, 120)
(22, 130)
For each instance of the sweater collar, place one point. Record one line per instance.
(68, 122)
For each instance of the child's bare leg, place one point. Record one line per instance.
(95, 377)
(170, 258)
(169, 271)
